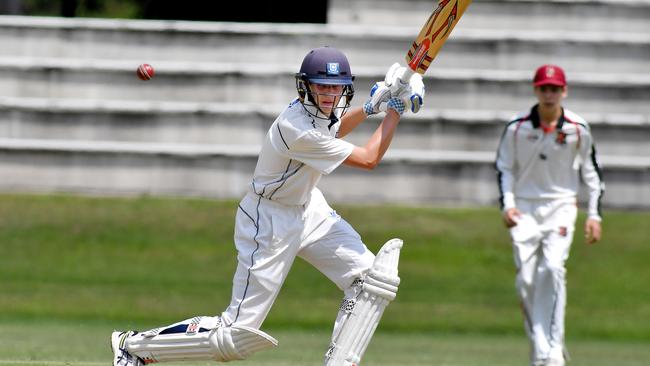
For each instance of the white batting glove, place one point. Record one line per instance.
(379, 96)
(414, 95)
(394, 78)
(411, 92)
(396, 104)
(392, 103)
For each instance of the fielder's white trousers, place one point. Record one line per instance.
(541, 244)
(270, 235)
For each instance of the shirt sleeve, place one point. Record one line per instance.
(591, 175)
(505, 162)
(319, 151)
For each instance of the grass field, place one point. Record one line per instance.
(77, 344)
(74, 268)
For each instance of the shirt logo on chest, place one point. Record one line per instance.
(560, 138)
(532, 137)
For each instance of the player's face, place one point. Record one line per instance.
(327, 96)
(550, 95)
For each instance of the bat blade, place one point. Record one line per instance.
(434, 34)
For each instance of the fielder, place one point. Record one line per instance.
(284, 216)
(542, 154)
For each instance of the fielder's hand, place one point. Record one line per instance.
(592, 231)
(510, 217)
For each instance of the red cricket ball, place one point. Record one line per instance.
(145, 72)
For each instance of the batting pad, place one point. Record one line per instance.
(219, 344)
(379, 288)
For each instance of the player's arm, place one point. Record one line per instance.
(369, 156)
(591, 175)
(505, 162)
(351, 120)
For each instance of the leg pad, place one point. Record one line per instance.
(363, 313)
(184, 341)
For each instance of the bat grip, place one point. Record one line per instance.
(404, 80)
(407, 74)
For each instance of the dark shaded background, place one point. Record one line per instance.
(280, 11)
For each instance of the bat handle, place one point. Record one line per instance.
(404, 79)
(407, 74)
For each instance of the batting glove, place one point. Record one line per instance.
(414, 97)
(411, 91)
(397, 105)
(379, 96)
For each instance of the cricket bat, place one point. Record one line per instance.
(426, 46)
(433, 35)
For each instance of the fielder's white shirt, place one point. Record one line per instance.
(297, 150)
(532, 164)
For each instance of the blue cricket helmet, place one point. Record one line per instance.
(326, 66)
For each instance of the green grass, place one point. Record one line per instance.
(77, 267)
(81, 344)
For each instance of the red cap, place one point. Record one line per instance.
(549, 75)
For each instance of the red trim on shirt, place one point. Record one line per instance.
(547, 129)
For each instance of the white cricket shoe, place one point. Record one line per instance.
(121, 357)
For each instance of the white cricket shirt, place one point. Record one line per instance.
(534, 164)
(297, 150)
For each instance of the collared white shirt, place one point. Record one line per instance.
(534, 164)
(297, 150)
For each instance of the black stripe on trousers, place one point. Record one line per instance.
(257, 231)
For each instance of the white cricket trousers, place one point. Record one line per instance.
(541, 244)
(270, 235)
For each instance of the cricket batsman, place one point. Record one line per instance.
(284, 216)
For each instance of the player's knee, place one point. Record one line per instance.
(523, 281)
(554, 266)
(555, 269)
